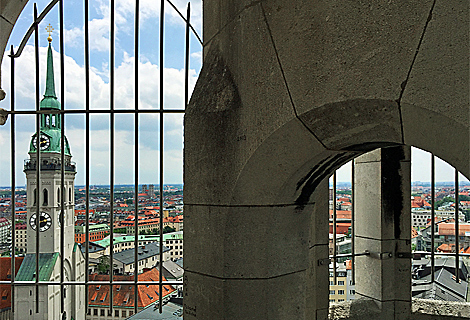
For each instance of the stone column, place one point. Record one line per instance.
(383, 227)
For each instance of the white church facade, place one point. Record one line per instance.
(47, 196)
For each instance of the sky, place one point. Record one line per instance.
(125, 61)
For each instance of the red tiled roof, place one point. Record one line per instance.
(123, 295)
(341, 214)
(5, 275)
(448, 229)
(446, 247)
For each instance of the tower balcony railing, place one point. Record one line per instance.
(49, 165)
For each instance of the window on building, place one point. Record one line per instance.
(332, 291)
(102, 312)
(45, 197)
(340, 283)
(341, 292)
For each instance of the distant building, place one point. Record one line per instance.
(96, 232)
(125, 242)
(445, 287)
(172, 271)
(174, 241)
(5, 230)
(344, 288)
(21, 237)
(124, 296)
(147, 257)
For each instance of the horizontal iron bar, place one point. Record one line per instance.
(75, 111)
(91, 283)
(441, 253)
(343, 255)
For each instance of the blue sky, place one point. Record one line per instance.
(149, 69)
(124, 89)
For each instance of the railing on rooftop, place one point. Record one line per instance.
(30, 165)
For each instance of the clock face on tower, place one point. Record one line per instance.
(44, 142)
(45, 221)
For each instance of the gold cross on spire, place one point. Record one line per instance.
(49, 29)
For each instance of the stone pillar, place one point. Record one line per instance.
(383, 227)
(317, 289)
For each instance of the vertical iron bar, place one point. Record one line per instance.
(186, 65)
(433, 213)
(111, 187)
(457, 234)
(136, 147)
(62, 156)
(38, 152)
(353, 234)
(87, 151)
(13, 180)
(160, 277)
(334, 227)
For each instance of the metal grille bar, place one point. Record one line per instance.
(334, 228)
(162, 64)
(111, 152)
(13, 182)
(457, 234)
(62, 156)
(136, 150)
(87, 146)
(433, 213)
(38, 151)
(353, 233)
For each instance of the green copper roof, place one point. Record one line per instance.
(106, 242)
(27, 269)
(51, 123)
(54, 141)
(178, 235)
(50, 99)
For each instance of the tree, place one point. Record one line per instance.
(103, 265)
(168, 229)
(444, 200)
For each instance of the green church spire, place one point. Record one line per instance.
(50, 99)
(51, 124)
(50, 85)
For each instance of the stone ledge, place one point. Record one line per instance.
(422, 309)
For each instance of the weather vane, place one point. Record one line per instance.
(49, 29)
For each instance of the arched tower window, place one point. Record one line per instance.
(34, 196)
(46, 197)
(53, 120)
(70, 194)
(58, 195)
(47, 120)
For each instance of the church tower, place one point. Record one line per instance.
(50, 194)
(49, 205)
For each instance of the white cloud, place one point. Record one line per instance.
(125, 18)
(99, 97)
